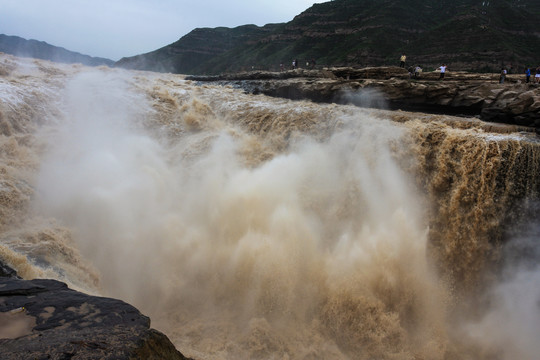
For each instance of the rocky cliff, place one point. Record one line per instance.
(44, 319)
(470, 35)
(513, 102)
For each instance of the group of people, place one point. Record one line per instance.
(310, 64)
(415, 72)
(528, 75)
(528, 71)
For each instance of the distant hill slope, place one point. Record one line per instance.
(18, 46)
(467, 34)
(196, 48)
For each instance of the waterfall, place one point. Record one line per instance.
(254, 227)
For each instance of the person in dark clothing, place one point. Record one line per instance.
(411, 71)
(503, 76)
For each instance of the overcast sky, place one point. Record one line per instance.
(117, 28)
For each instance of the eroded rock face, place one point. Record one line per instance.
(513, 102)
(44, 319)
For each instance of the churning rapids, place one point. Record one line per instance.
(250, 227)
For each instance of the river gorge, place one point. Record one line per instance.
(249, 226)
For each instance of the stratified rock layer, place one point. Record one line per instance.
(44, 319)
(513, 102)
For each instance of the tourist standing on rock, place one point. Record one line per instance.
(402, 61)
(503, 76)
(537, 76)
(528, 74)
(442, 68)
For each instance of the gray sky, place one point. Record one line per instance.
(117, 28)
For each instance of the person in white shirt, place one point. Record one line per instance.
(417, 72)
(442, 68)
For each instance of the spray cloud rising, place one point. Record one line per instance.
(292, 240)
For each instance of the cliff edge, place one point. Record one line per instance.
(459, 93)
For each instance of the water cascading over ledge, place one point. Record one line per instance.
(482, 189)
(481, 186)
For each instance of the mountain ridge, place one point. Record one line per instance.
(468, 34)
(18, 46)
(198, 46)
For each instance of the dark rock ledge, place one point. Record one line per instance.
(460, 93)
(44, 319)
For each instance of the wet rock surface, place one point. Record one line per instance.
(459, 93)
(44, 319)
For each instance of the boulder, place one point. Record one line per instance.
(44, 319)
